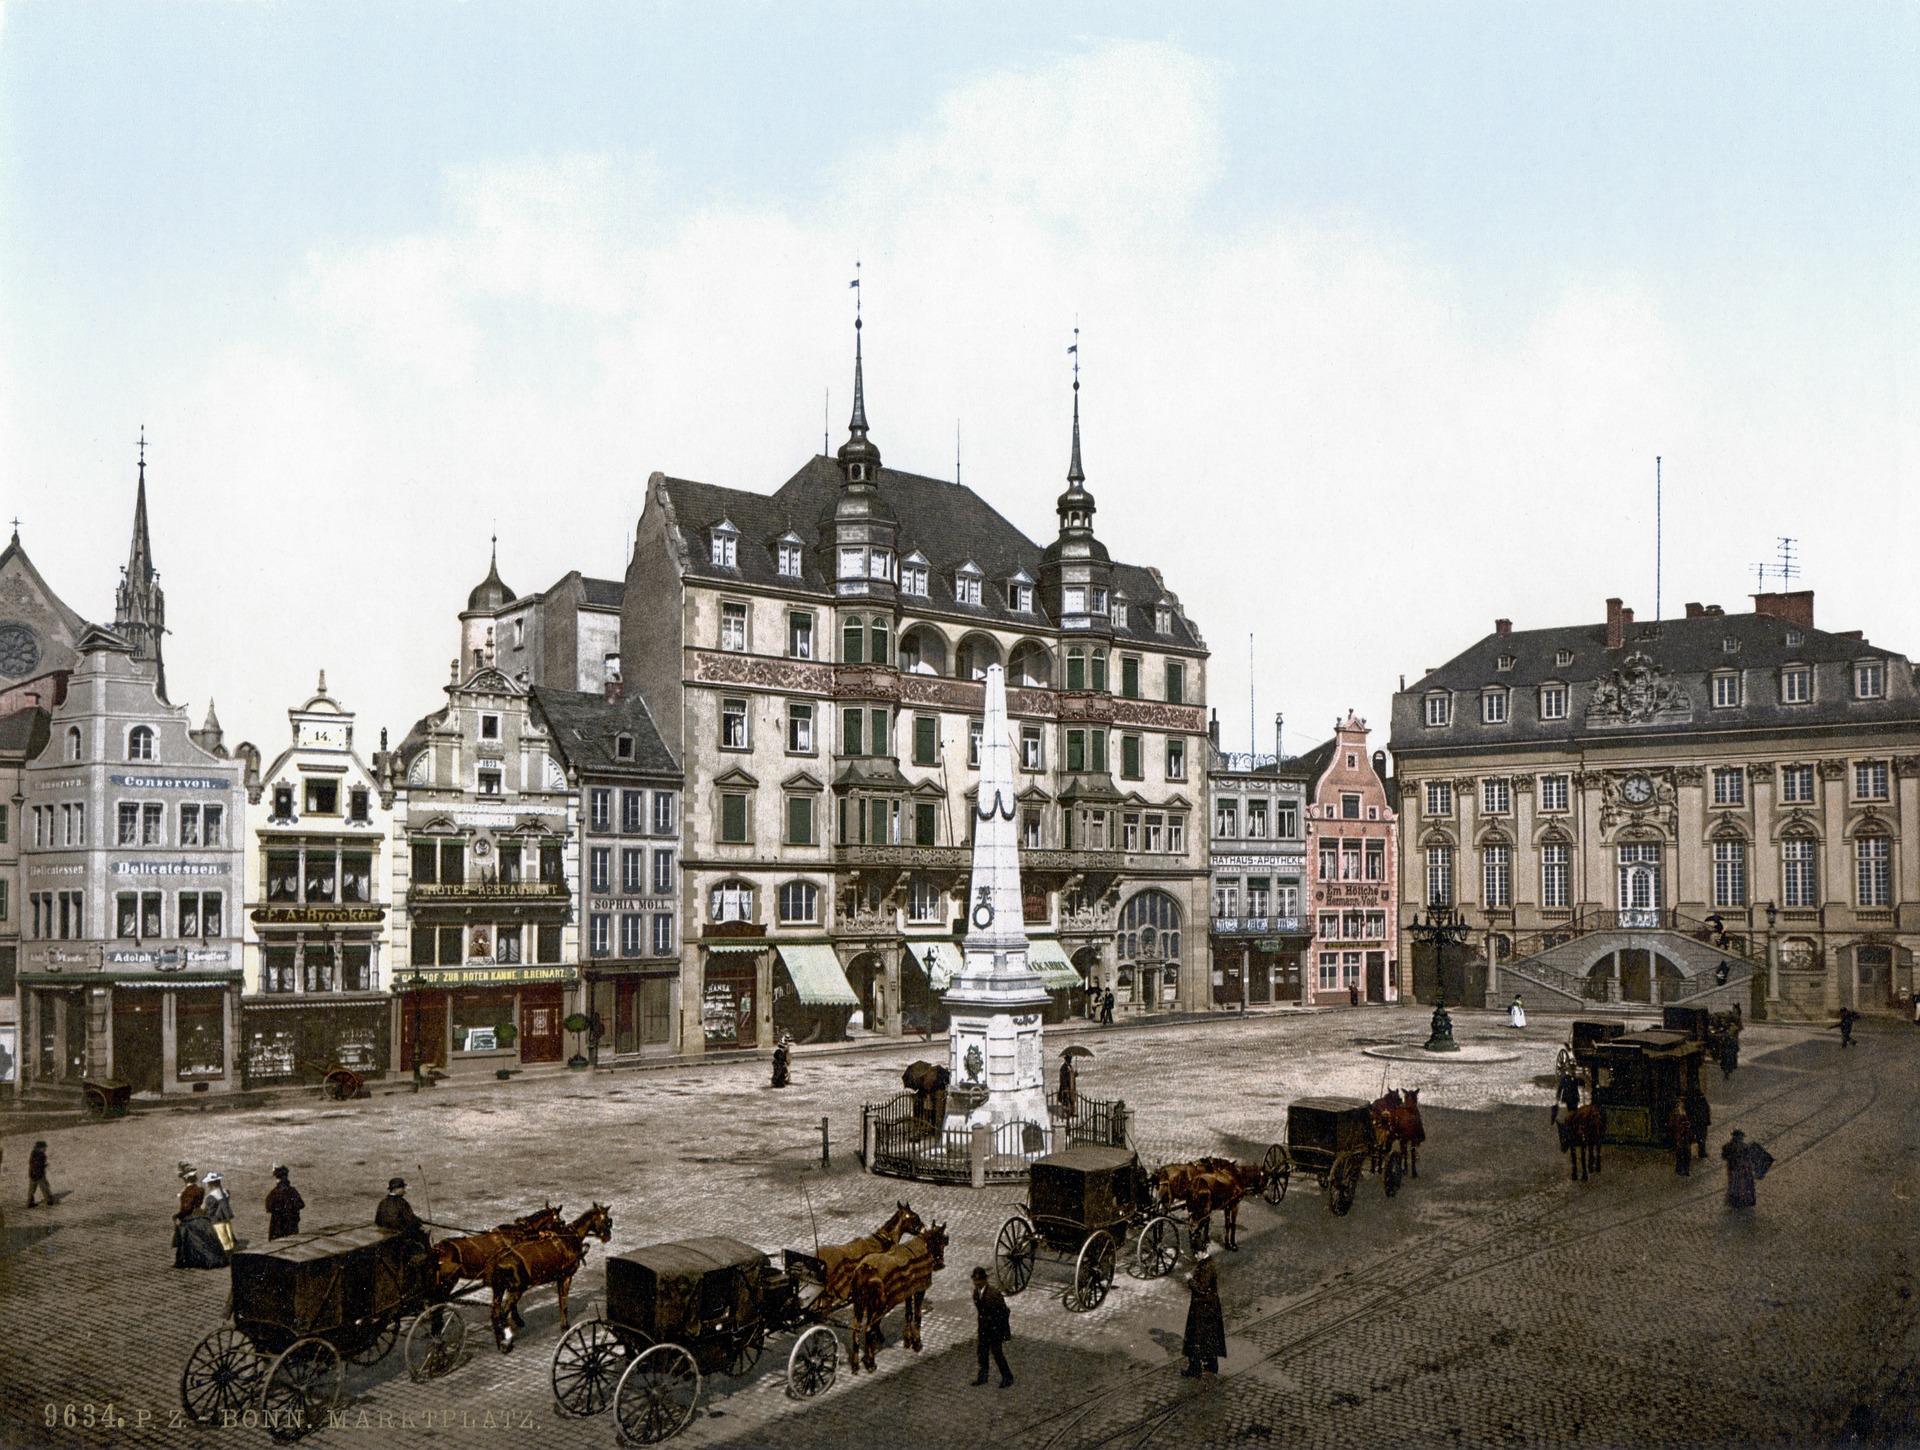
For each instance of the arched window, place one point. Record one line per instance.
(1800, 873)
(853, 641)
(799, 901)
(73, 742)
(731, 901)
(1150, 929)
(1440, 874)
(923, 652)
(1873, 870)
(878, 634)
(976, 652)
(1556, 872)
(1030, 666)
(140, 743)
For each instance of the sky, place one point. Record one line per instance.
(1386, 311)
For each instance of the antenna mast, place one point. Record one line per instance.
(1253, 718)
(1657, 503)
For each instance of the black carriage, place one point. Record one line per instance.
(1637, 1078)
(677, 1312)
(1083, 1205)
(1333, 1140)
(1714, 1031)
(301, 1309)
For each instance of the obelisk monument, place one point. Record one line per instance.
(996, 1001)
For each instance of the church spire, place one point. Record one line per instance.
(139, 605)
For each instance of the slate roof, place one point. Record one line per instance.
(1687, 652)
(948, 523)
(23, 734)
(607, 593)
(585, 726)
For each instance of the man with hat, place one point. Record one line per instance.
(1206, 1337)
(397, 1215)
(283, 1206)
(992, 1329)
(37, 1174)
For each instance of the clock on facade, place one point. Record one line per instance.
(19, 650)
(1637, 790)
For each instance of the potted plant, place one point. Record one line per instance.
(504, 1035)
(577, 1023)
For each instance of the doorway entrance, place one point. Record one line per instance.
(137, 1039)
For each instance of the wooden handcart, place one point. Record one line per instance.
(108, 1097)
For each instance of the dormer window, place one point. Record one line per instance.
(1553, 702)
(623, 747)
(1505, 662)
(1796, 685)
(913, 574)
(789, 557)
(1439, 709)
(1794, 637)
(1493, 707)
(723, 543)
(966, 584)
(1162, 620)
(1020, 598)
(1869, 680)
(1563, 658)
(1726, 690)
(1729, 645)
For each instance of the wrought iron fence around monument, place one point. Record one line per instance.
(900, 1143)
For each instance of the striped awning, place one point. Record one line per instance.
(940, 960)
(817, 974)
(736, 947)
(1047, 958)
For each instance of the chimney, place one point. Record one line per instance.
(1503, 627)
(1694, 611)
(614, 690)
(1713, 611)
(1279, 738)
(1213, 730)
(1795, 608)
(1617, 621)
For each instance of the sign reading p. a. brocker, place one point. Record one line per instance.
(318, 915)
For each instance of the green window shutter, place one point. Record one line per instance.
(1176, 682)
(878, 653)
(1076, 750)
(733, 818)
(926, 739)
(1130, 677)
(851, 637)
(882, 738)
(851, 723)
(925, 820)
(799, 820)
(1076, 670)
(1098, 739)
(1130, 756)
(1099, 669)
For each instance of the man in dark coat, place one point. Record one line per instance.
(1847, 1018)
(396, 1214)
(1206, 1337)
(1729, 1054)
(1699, 1118)
(1747, 1164)
(37, 1174)
(1680, 1130)
(993, 1327)
(1106, 1008)
(283, 1206)
(1566, 1096)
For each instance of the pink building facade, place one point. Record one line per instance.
(1351, 862)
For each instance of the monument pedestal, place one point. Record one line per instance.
(994, 1042)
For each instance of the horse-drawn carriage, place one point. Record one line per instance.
(1083, 1204)
(1335, 1140)
(1635, 1077)
(305, 1306)
(677, 1312)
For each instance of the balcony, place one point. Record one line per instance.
(1262, 926)
(960, 858)
(555, 892)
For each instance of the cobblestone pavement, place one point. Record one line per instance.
(1491, 1302)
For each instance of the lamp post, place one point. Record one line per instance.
(414, 987)
(1443, 927)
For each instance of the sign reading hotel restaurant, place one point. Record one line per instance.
(503, 816)
(318, 915)
(171, 782)
(171, 868)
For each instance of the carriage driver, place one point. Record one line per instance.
(396, 1215)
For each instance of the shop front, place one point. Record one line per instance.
(1066, 989)
(149, 1019)
(730, 993)
(1256, 970)
(634, 1007)
(473, 1018)
(812, 996)
(300, 1040)
(928, 966)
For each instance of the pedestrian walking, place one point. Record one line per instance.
(1069, 1090)
(993, 1327)
(1747, 1163)
(195, 1244)
(1847, 1018)
(219, 1210)
(1353, 994)
(1106, 1008)
(782, 1061)
(37, 1183)
(1729, 1054)
(1699, 1118)
(1516, 1012)
(1680, 1130)
(283, 1206)
(1205, 1341)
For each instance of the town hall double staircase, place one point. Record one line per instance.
(1618, 961)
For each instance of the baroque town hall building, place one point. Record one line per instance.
(814, 659)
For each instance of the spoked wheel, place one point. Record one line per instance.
(1158, 1250)
(382, 1343)
(300, 1387)
(1340, 1190)
(657, 1395)
(587, 1365)
(814, 1362)
(1092, 1274)
(1014, 1254)
(339, 1086)
(746, 1351)
(434, 1341)
(222, 1374)
(1278, 1171)
(1565, 1063)
(1394, 1173)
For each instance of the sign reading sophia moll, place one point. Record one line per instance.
(171, 868)
(171, 782)
(318, 915)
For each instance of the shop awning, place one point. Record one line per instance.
(817, 974)
(940, 960)
(1056, 970)
(737, 947)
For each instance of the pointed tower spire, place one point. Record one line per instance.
(139, 606)
(1076, 575)
(859, 458)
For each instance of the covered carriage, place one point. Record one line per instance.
(677, 1312)
(1637, 1079)
(1084, 1204)
(305, 1306)
(1332, 1140)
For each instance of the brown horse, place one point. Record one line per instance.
(1396, 1119)
(554, 1257)
(885, 1281)
(1580, 1134)
(1207, 1184)
(471, 1256)
(840, 1260)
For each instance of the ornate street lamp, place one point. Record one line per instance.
(1442, 928)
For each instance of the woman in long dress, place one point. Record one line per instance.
(1517, 1013)
(219, 1210)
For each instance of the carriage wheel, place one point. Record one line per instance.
(587, 1365)
(1092, 1274)
(338, 1086)
(434, 1341)
(1565, 1063)
(747, 1348)
(377, 1348)
(222, 1374)
(300, 1387)
(1014, 1254)
(1395, 1171)
(1341, 1183)
(1158, 1250)
(1278, 1170)
(657, 1395)
(814, 1362)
